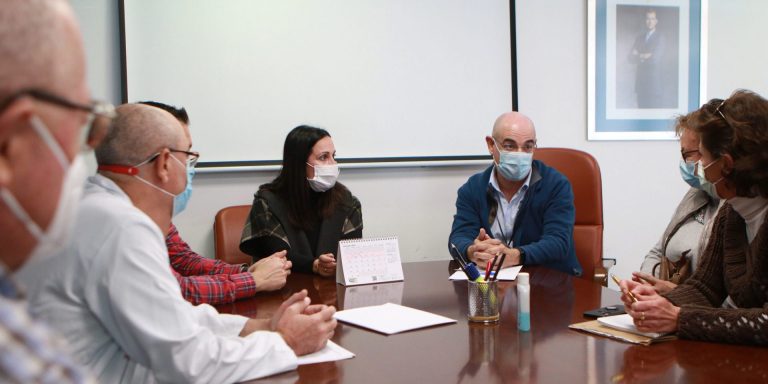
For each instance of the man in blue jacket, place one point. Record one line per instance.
(518, 206)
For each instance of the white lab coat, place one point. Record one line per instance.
(114, 299)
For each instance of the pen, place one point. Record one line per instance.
(488, 267)
(459, 255)
(498, 266)
(458, 260)
(631, 296)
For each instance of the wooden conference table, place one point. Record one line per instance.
(464, 352)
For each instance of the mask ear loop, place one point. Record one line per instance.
(133, 170)
(50, 141)
(21, 214)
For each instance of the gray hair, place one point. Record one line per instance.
(31, 49)
(138, 132)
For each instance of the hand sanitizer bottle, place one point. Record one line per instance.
(523, 302)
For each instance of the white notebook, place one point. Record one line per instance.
(391, 318)
(625, 323)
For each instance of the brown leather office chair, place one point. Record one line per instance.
(227, 229)
(583, 172)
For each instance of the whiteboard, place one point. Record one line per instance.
(394, 79)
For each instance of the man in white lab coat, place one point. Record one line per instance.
(112, 293)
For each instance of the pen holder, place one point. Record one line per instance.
(483, 301)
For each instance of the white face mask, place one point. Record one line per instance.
(325, 177)
(59, 231)
(707, 186)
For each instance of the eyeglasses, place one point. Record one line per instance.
(688, 154)
(192, 157)
(511, 147)
(720, 112)
(100, 114)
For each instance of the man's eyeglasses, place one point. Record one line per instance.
(100, 114)
(192, 157)
(510, 147)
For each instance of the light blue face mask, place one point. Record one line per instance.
(514, 166)
(687, 172)
(180, 201)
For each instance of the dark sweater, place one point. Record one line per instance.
(729, 266)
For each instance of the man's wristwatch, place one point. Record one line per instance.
(522, 255)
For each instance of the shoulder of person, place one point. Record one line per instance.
(479, 181)
(347, 198)
(697, 198)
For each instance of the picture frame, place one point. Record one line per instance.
(644, 66)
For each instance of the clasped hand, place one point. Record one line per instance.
(485, 248)
(651, 312)
(270, 273)
(305, 327)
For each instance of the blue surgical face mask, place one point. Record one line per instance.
(687, 171)
(514, 166)
(180, 201)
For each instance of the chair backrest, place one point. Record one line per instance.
(227, 230)
(583, 172)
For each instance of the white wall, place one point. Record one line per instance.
(641, 184)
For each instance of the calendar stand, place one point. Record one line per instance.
(367, 261)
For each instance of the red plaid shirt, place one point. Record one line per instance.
(205, 280)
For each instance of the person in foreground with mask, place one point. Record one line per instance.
(112, 294)
(674, 258)
(304, 210)
(726, 299)
(204, 280)
(45, 111)
(518, 206)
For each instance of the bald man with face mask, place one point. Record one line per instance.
(517, 207)
(45, 110)
(123, 312)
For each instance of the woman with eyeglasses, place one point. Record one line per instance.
(726, 299)
(674, 258)
(304, 210)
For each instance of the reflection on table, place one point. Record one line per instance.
(465, 352)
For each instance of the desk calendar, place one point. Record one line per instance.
(366, 261)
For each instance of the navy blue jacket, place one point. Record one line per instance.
(543, 226)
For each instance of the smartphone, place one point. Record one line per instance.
(605, 311)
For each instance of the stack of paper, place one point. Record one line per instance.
(390, 318)
(331, 352)
(620, 327)
(625, 323)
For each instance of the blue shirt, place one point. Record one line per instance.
(504, 224)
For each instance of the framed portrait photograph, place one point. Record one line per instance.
(644, 64)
